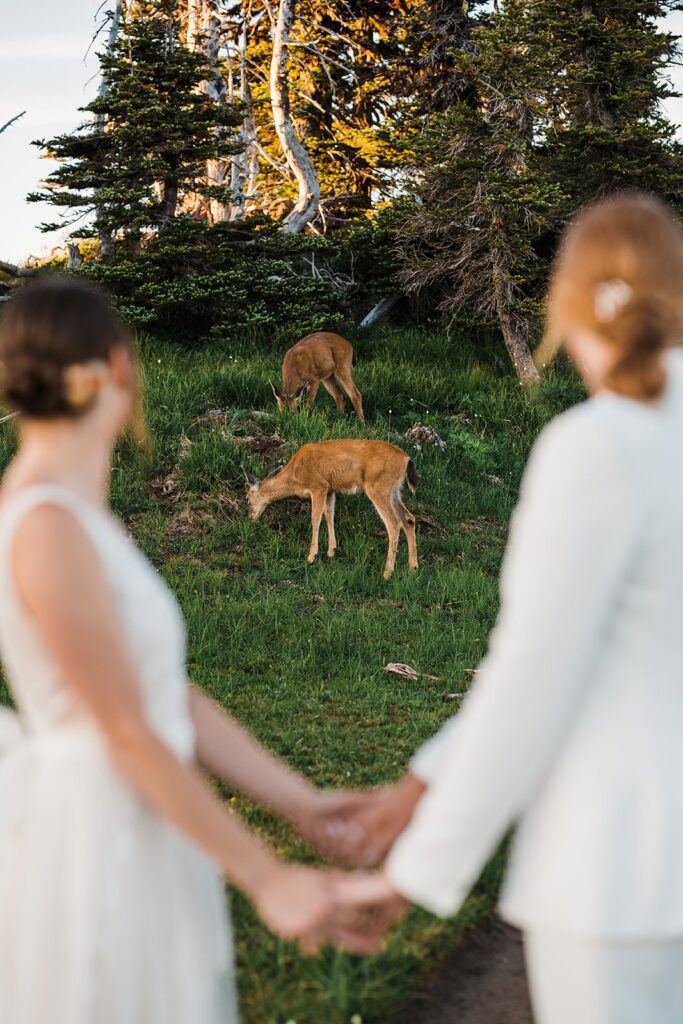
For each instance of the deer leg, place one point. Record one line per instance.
(330, 503)
(386, 513)
(317, 508)
(344, 378)
(407, 521)
(332, 387)
(312, 392)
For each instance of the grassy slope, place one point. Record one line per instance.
(297, 652)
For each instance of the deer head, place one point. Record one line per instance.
(286, 401)
(258, 498)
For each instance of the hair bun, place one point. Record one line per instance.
(47, 327)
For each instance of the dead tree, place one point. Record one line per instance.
(308, 201)
(103, 233)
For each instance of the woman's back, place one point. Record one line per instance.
(609, 817)
(150, 619)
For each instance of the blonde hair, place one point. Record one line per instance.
(619, 275)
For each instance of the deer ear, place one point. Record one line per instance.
(251, 479)
(274, 472)
(299, 392)
(276, 391)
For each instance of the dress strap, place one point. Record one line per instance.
(15, 508)
(18, 505)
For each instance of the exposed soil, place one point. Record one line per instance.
(483, 982)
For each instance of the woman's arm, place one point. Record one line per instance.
(229, 753)
(62, 586)
(572, 539)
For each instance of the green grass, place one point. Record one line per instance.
(296, 652)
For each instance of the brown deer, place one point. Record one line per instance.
(320, 471)
(320, 358)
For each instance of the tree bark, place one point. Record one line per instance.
(201, 31)
(245, 163)
(517, 348)
(308, 202)
(103, 233)
(169, 201)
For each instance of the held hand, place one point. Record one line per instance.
(307, 905)
(328, 821)
(359, 828)
(376, 901)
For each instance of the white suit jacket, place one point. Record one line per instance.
(574, 726)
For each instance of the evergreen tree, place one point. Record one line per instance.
(153, 131)
(563, 106)
(484, 194)
(605, 71)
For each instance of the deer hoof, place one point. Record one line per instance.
(311, 559)
(332, 553)
(387, 574)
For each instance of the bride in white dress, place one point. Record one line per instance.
(112, 847)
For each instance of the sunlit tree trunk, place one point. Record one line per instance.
(308, 201)
(201, 30)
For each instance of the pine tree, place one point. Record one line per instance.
(152, 132)
(484, 195)
(563, 106)
(605, 65)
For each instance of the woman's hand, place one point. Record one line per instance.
(359, 828)
(375, 900)
(307, 905)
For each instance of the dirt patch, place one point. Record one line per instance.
(482, 982)
(430, 527)
(261, 444)
(483, 525)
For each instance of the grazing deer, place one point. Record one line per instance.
(320, 471)
(320, 358)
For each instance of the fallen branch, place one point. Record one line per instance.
(11, 121)
(378, 312)
(13, 271)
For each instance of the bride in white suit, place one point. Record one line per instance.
(573, 730)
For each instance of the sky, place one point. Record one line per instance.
(44, 70)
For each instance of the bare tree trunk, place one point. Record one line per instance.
(308, 202)
(201, 30)
(169, 201)
(104, 234)
(217, 171)
(516, 346)
(74, 257)
(242, 177)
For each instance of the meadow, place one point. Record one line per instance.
(297, 652)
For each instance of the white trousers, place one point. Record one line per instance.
(583, 981)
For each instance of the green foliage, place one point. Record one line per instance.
(206, 283)
(562, 105)
(152, 132)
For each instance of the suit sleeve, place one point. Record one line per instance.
(572, 540)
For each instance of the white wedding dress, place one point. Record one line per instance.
(108, 914)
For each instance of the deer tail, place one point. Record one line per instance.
(411, 474)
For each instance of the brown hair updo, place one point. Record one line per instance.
(46, 327)
(619, 275)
